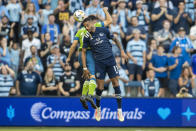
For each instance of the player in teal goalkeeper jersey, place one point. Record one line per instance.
(89, 85)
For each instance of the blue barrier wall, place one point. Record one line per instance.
(68, 112)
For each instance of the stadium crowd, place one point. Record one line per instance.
(159, 37)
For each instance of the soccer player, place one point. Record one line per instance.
(88, 86)
(98, 41)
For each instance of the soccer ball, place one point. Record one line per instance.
(79, 15)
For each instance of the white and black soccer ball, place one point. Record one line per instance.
(79, 15)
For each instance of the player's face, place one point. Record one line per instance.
(89, 25)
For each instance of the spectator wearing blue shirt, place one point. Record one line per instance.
(135, 25)
(159, 64)
(7, 76)
(29, 27)
(28, 82)
(136, 51)
(182, 18)
(141, 14)
(122, 13)
(38, 66)
(75, 5)
(95, 9)
(51, 28)
(186, 80)
(151, 85)
(3, 10)
(175, 64)
(5, 57)
(53, 3)
(14, 10)
(159, 15)
(44, 13)
(184, 42)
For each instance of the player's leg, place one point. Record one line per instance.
(91, 67)
(100, 76)
(113, 73)
(84, 88)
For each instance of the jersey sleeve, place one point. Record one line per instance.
(85, 43)
(77, 36)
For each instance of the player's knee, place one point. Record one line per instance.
(115, 82)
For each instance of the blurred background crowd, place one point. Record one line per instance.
(159, 37)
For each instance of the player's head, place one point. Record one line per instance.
(93, 18)
(89, 24)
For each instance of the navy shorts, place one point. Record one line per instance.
(106, 66)
(134, 69)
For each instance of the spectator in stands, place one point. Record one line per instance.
(152, 49)
(27, 43)
(167, 3)
(135, 25)
(30, 12)
(151, 85)
(159, 64)
(70, 29)
(75, 5)
(5, 57)
(159, 15)
(56, 61)
(51, 28)
(175, 64)
(28, 82)
(122, 13)
(53, 3)
(193, 35)
(165, 36)
(62, 14)
(95, 9)
(45, 49)
(182, 18)
(183, 93)
(44, 13)
(50, 84)
(186, 80)
(136, 51)
(37, 64)
(190, 8)
(7, 76)
(6, 29)
(3, 10)
(123, 78)
(29, 26)
(69, 83)
(15, 56)
(141, 14)
(116, 28)
(184, 42)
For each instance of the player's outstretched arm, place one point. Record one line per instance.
(108, 19)
(115, 39)
(72, 49)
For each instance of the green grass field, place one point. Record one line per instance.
(91, 129)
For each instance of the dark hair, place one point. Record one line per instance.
(92, 17)
(160, 46)
(85, 20)
(51, 15)
(175, 48)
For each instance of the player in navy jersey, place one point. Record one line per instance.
(98, 41)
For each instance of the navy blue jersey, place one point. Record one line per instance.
(28, 82)
(99, 43)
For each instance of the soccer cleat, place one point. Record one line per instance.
(98, 113)
(83, 101)
(90, 99)
(120, 115)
